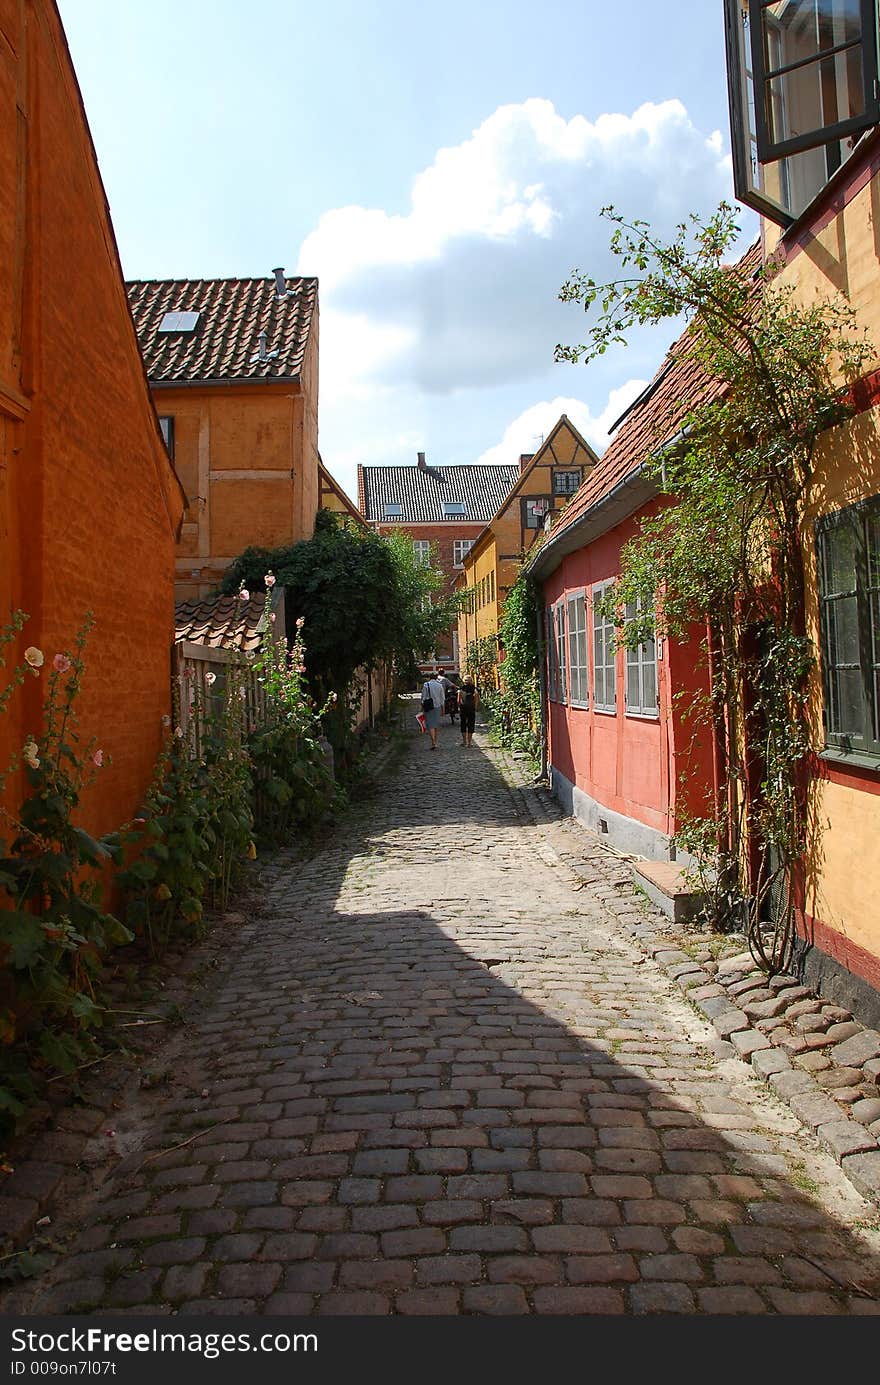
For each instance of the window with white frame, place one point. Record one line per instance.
(460, 549)
(604, 654)
(578, 683)
(566, 482)
(393, 510)
(641, 668)
(561, 659)
(422, 551)
(453, 509)
(550, 641)
(166, 423)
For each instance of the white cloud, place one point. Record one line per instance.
(460, 293)
(531, 427)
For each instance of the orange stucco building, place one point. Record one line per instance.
(233, 369)
(809, 163)
(89, 503)
(546, 481)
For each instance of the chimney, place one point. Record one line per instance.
(524, 459)
(280, 282)
(421, 457)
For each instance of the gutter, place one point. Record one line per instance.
(160, 384)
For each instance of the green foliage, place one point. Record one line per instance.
(724, 556)
(54, 934)
(481, 659)
(364, 602)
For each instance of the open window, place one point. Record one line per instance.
(802, 77)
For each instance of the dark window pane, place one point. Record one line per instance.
(840, 551)
(847, 703)
(844, 631)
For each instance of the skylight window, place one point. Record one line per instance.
(394, 511)
(179, 322)
(451, 509)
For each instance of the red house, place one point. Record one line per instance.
(619, 741)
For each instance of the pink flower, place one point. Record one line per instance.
(272, 617)
(61, 663)
(300, 622)
(34, 657)
(210, 678)
(98, 758)
(269, 580)
(166, 720)
(29, 754)
(244, 594)
(334, 697)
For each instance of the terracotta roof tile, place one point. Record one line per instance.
(226, 338)
(223, 622)
(422, 492)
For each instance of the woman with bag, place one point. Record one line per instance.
(433, 700)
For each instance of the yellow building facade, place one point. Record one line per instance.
(818, 191)
(547, 481)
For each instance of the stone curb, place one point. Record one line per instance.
(725, 993)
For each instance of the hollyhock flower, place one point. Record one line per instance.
(210, 679)
(272, 617)
(29, 754)
(334, 697)
(61, 663)
(300, 622)
(178, 731)
(98, 758)
(269, 579)
(166, 720)
(34, 656)
(244, 594)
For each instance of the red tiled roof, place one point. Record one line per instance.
(225, 342)
(223, 622)
(654, 419)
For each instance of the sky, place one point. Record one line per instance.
(441, 171)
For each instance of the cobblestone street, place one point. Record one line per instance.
(438, 1077)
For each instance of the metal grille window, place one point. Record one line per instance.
(849, 597)
(460, 550)
(604, 655)
(566, 482)
(641, 671)
(577, 650)
(422, 551)
(559, 623)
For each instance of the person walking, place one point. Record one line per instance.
(450, 695)
(433, 700)
(468, 700)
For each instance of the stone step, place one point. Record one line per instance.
(668, 885)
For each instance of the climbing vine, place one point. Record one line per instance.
(726, 555)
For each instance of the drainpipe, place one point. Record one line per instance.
(542, 694)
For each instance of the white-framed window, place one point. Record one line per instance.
(641, 671)
(550, 641)
(460, 549)
(566, 482)
(561, 659)
(534, 509)
(453, 509)
(393, 510)
(166, 424)
(604, 655)
(422, 551)
(578, 681)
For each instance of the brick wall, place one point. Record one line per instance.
(89, 504)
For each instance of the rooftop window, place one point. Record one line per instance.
(178, 322)
(393, 511)
(452, 508)
(802, 79)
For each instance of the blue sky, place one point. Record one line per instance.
(439, 168)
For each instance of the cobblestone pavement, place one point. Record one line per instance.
(437, 1077)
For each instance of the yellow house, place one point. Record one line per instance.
(233, 370)
(808, 160)
(548, 479)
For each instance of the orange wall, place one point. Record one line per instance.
(247, 458)
(89, 505)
